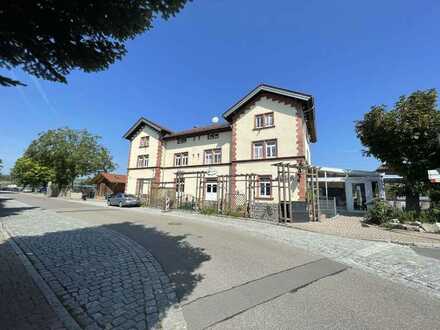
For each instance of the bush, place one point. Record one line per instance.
(209, 211)
(379, 213)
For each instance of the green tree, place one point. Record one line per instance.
(50, 38)
(70, 154)
(1, 165)
(27, 172)
(406, 139)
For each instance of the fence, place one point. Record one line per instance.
(211, 194)
(328, 207)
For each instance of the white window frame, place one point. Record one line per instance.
(180, 185)
(142, 161)
(271, 148)
(181, 159)
(268, 123)
(264, 184)
(260, 146)
(259, 121)
(264, 120)
(264, 145)
(144, 142)
(213, 156)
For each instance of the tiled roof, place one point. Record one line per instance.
(200, 130)
(114, 178)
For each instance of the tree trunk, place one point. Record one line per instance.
(412, 200)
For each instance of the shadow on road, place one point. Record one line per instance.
(178, 258)
(7, 211)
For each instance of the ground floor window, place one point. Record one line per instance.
(180, 185)
(265, 187)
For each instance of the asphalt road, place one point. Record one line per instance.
(229, 280)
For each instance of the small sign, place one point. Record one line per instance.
(434, 176)
(211, 172)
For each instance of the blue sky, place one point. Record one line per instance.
(349, 54)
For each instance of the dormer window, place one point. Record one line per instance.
(213, 136)
(145, 141)
(264, 120)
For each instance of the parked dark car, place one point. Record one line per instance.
(121, 200)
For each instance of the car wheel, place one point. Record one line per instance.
(120, 204)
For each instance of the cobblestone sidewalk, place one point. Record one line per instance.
(22, 304)
(351, 227)
(104, 280)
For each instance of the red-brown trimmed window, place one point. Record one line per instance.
(181, 159)
(145, 142)
(264, 120)
(213, 156)
(142, 161)
(264, 149)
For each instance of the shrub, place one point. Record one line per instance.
(234, 213)
(209, 211)
(379, 213)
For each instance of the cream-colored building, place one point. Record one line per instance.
(266, 126)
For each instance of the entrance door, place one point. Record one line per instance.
(359, 197)
(211, 191)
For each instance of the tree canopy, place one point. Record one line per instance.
(70, 154)
(50, 38)
(27, 172)
(406, 138)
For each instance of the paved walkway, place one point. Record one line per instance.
(104, 280)
(22, 304)
(351, 227)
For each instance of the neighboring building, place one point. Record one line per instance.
(266, 126)
(109, 184)
(434, 176)
(351, 190)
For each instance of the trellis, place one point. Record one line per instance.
(228, 200)
(285, 187)
(200, 177)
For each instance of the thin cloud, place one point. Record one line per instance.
(23, 94)
(43, 94)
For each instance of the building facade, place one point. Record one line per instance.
(266, 126)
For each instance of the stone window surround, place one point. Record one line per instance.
(260, 180)
(264, 117)
(181, 158)
(264, 144)
(213, 152)
(142, 161)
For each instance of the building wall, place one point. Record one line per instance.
(289, 130)
(195, 146)
(284, 129)
(135, 174)
(151, 150)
